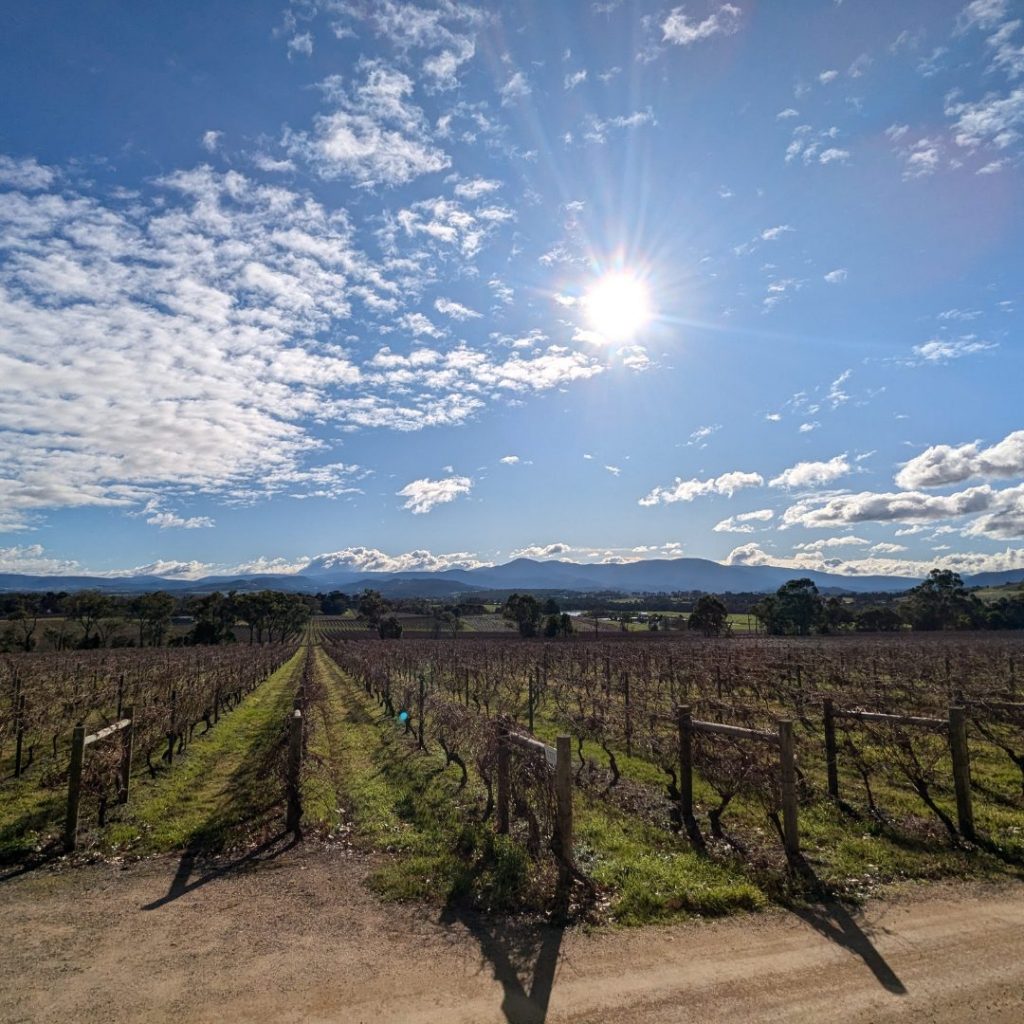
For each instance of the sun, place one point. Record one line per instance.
(618, 306)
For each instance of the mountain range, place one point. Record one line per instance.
(649, 576)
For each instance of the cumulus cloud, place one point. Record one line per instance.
(812, 474)
(166, 520)
(681, 30)
(423, 495)
(943, 464)
(686, 490)
(873, 565)
(509, 460)
(26, 173)
(361, 559)
(837, 276)
(542, 551)
(1000, 513)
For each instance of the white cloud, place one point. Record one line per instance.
(360, 559)
(374, 135)
(700, 436)
(211, 140)
(300, 44)
(509, 460)
(575, 78)
(476, 188)
(686, 490)
(614, 470)
(828, 76)
(942, 351)
(166, 520)
(455, 310)
(771, 234)
(596, 129)
(812, 474)
(422, 495)
(744, 522)
(516, 88)
(677, 28)
(962, 562)
(944, 464)
(25, 174)
(1000, 512)
(837, 276)
(541, 551)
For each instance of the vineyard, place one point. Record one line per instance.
(628, 776)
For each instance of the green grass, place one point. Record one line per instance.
(226, 789)
(401, 801)
(851, 852)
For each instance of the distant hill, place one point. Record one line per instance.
(660, 575)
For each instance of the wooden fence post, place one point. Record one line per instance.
(19, 729)
(74, 788)
(961, 770)
(563, 800)
(503, 783)
(294, 817)
(685, 763)
(421, 701)
(127, 748)
(172, 730)
(787, 766)
(529, 700)
(629, 718)
(831, 758)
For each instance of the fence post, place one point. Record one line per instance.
(74, 788)
(787, 766)
(961, 770)
(563, 800)
(421, 700)
(294, 817)
(629, 717)
(685, 763)
(127, 748)
(19, 728)
(171, 732)
(529, 703)
(503, 782)
(831, 760)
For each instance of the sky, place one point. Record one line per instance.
(430, 284)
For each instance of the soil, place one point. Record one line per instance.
(292, 934)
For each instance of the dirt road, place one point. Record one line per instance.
(297, 938)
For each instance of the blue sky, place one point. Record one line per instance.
(347, 277)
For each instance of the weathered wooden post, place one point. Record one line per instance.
(503, 782)
(19, 727)
(961, 770)
(684, 718)
(127, 748)
(421, 701)
(787, 772)
(831, 757)
(294, 816)
(563, 801)
(629, 718)
(172, 729)
(74, 787)
(529, 700)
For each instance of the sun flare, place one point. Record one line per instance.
(618, 305)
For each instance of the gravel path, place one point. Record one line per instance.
(296, 937)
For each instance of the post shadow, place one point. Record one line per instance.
(181, 886)
(509, 951)
(832, 920)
